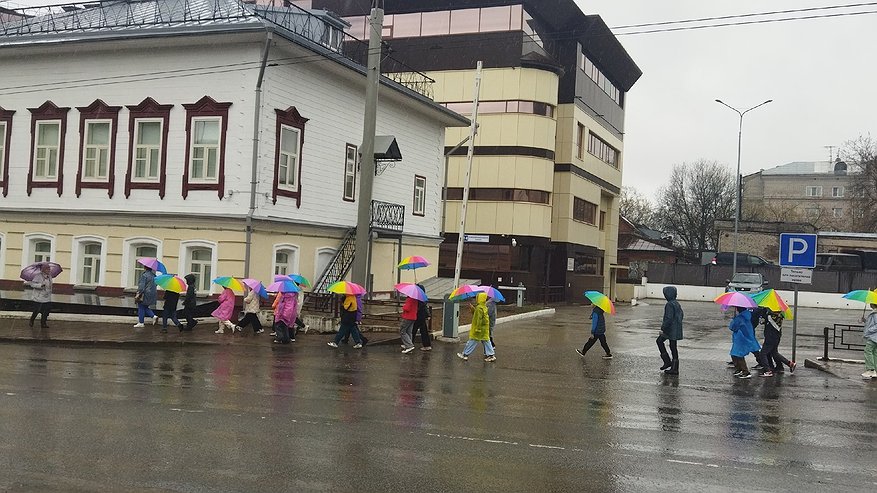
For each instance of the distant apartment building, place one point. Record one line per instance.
(816, 192)
(548, 162)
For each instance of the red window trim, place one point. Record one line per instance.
(344, 177)
(47, 111)
(206, 107)
(414, 202)
(98, 110)
(6, 117)
(148, 108)
(291, 118)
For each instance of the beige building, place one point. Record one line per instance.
(816, 192)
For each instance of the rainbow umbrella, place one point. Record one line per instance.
(152, 263)
(284, 286)
(493, 293)
(601, 300)
(863, 295)
(413, 263)
(464, 292)
(300, 280)
(172, 283)
(412, 291)
(229, 282)
(256, 285)
(346, 287)
(29, 272)
(771, 300)
(735, 298)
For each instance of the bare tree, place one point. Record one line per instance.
(860, 155)
(636, 208)
(698, 193)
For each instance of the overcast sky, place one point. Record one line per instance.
(820, 74)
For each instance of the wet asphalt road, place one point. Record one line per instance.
(309, 418)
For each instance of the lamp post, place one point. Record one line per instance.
(737, 194)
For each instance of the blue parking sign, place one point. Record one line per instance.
(798, 250)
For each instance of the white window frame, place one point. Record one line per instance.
(77, 256)
(317, 253)
(419, 192)
(837, 212)
(350, 171)
(294, 266)
(816, 189)
(129, 257)
(37, 147)
(5, 127)
(28, 247)
(293, 175)
(837, 192)
(157, 150)
(215, 147)
(102, 150)
(186, 248)
(812, 212)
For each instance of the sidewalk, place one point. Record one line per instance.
(848, 369)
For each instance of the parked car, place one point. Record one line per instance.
(839, 262)
(746, 282)
(743, 259)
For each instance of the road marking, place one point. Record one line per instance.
(11, 393)
(187, 410)
(534, 445)
(685, 462)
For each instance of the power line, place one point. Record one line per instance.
(747, 23)
(742, 16)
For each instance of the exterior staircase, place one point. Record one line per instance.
(319, 298)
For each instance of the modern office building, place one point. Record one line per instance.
(549, 155)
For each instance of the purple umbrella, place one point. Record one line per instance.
(256, 285)
(411, 291)
(152, 263)
(29, 272)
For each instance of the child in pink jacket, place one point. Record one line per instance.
(224, 312)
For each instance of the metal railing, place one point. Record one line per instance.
(838, 339)
(387, 217)
(133, 14)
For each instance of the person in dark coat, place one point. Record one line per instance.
(598, 333)
(770, 358)
(190, 302)
(671, 330)
(170, 310)
(424, 313)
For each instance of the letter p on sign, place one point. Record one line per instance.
(798, 250)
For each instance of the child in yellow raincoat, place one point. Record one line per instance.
(480, 331)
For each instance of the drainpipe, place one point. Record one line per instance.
(269, 36)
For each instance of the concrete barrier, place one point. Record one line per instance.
(709, 293)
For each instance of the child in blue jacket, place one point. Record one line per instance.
(598, 333)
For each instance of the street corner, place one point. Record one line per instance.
(848, 369)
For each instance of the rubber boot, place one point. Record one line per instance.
(667, 363)
(674, 368)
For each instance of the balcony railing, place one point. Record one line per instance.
(387, 217)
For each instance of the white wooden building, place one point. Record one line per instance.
(129, 129)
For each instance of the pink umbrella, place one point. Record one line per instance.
(256, 285)
(735, 299)
(152, 263)
(30, 271)
(411, 291)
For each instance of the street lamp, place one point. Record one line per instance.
(737, 195)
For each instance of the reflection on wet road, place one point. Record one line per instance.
(309, 418)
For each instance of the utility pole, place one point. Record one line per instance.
(449, 329)
(362, 243)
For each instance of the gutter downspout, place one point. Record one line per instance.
(269, 37)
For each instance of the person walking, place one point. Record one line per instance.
(479, 331)
(170, 311)
(870, 334)
(743, 341)
(146, 297)
(770, 358)
(671, 330)
(252, 307)
(348, 323)
(284, 318)
(406, 325)
(190, 302)
(224, 312)
(598, 333)
(359, 315)
(424, 313)
(42, 295)
(491, 317)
